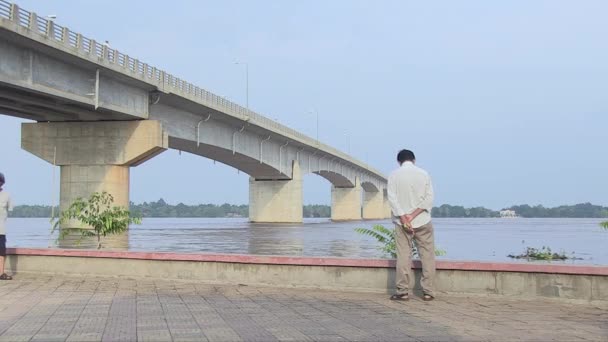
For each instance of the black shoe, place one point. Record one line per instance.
(402, 297)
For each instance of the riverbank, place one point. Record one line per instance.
(586, 283)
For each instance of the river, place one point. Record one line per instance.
(463, 239)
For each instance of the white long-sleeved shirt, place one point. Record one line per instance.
(410, 188)
(5, 206)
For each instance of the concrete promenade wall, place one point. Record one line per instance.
(530, 280)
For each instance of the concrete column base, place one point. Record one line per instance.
(373, 205)
(94, 157)
(83, 180)
(346, 203)
(277, 201)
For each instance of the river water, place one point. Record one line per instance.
(463, 239)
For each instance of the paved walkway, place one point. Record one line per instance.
(41, 308)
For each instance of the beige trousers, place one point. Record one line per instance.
(425, 240)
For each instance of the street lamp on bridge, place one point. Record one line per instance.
(347, 135)
(246, 83)
(316, 112)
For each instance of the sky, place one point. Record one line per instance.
(503, 102)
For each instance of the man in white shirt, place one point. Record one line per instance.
(410, 194)
(5, 206)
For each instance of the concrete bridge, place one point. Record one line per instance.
(99, 112)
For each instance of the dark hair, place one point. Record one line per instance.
(1, 179)
(405, 155)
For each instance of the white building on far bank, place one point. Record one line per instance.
(508, 213)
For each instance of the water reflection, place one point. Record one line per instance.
(280, 239)
(344, 248)
(118, 242)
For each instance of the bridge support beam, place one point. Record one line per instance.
(346, 203)
(373, 205)
(277, 201)
(94, 156)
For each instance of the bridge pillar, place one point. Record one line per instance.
(277, 201)
(387, 206)
(373, 205)
(346, 203)
(94, 157)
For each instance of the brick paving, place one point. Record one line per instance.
(50, 308)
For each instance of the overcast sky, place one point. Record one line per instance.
(502, 102)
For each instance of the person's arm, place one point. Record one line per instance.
(393, 200)
(414, 214)
(10, 204)
(426, 202)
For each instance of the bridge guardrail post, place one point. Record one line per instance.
(14, 13)
(104, 53)
(50, 29)
(92, 43)
(79, 42)
(33, 22)
(65, 35)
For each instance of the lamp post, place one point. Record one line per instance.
(347, 140)
(316, 112)
(246, 83)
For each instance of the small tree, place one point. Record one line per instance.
(386, 237)
(99, 214)
(604, 225)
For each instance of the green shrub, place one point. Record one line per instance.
(98, 214)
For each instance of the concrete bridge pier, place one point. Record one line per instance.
(346, 202)
(373, 205)
(94, 156)
(387, 206)
(277, 201)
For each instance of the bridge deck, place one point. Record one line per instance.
(43, 308)
(69, 77)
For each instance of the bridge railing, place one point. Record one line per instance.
(163, 80)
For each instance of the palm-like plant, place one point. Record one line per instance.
(604, 225)
(386, 237)
(98, 214)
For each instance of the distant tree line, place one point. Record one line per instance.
(161, 208)
(582, 210)
(447, 210)
(577, 210)
(31, 211)
(317, 210)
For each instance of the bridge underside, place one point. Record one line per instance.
(336, 179)
(22, 103)
(238, 161)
